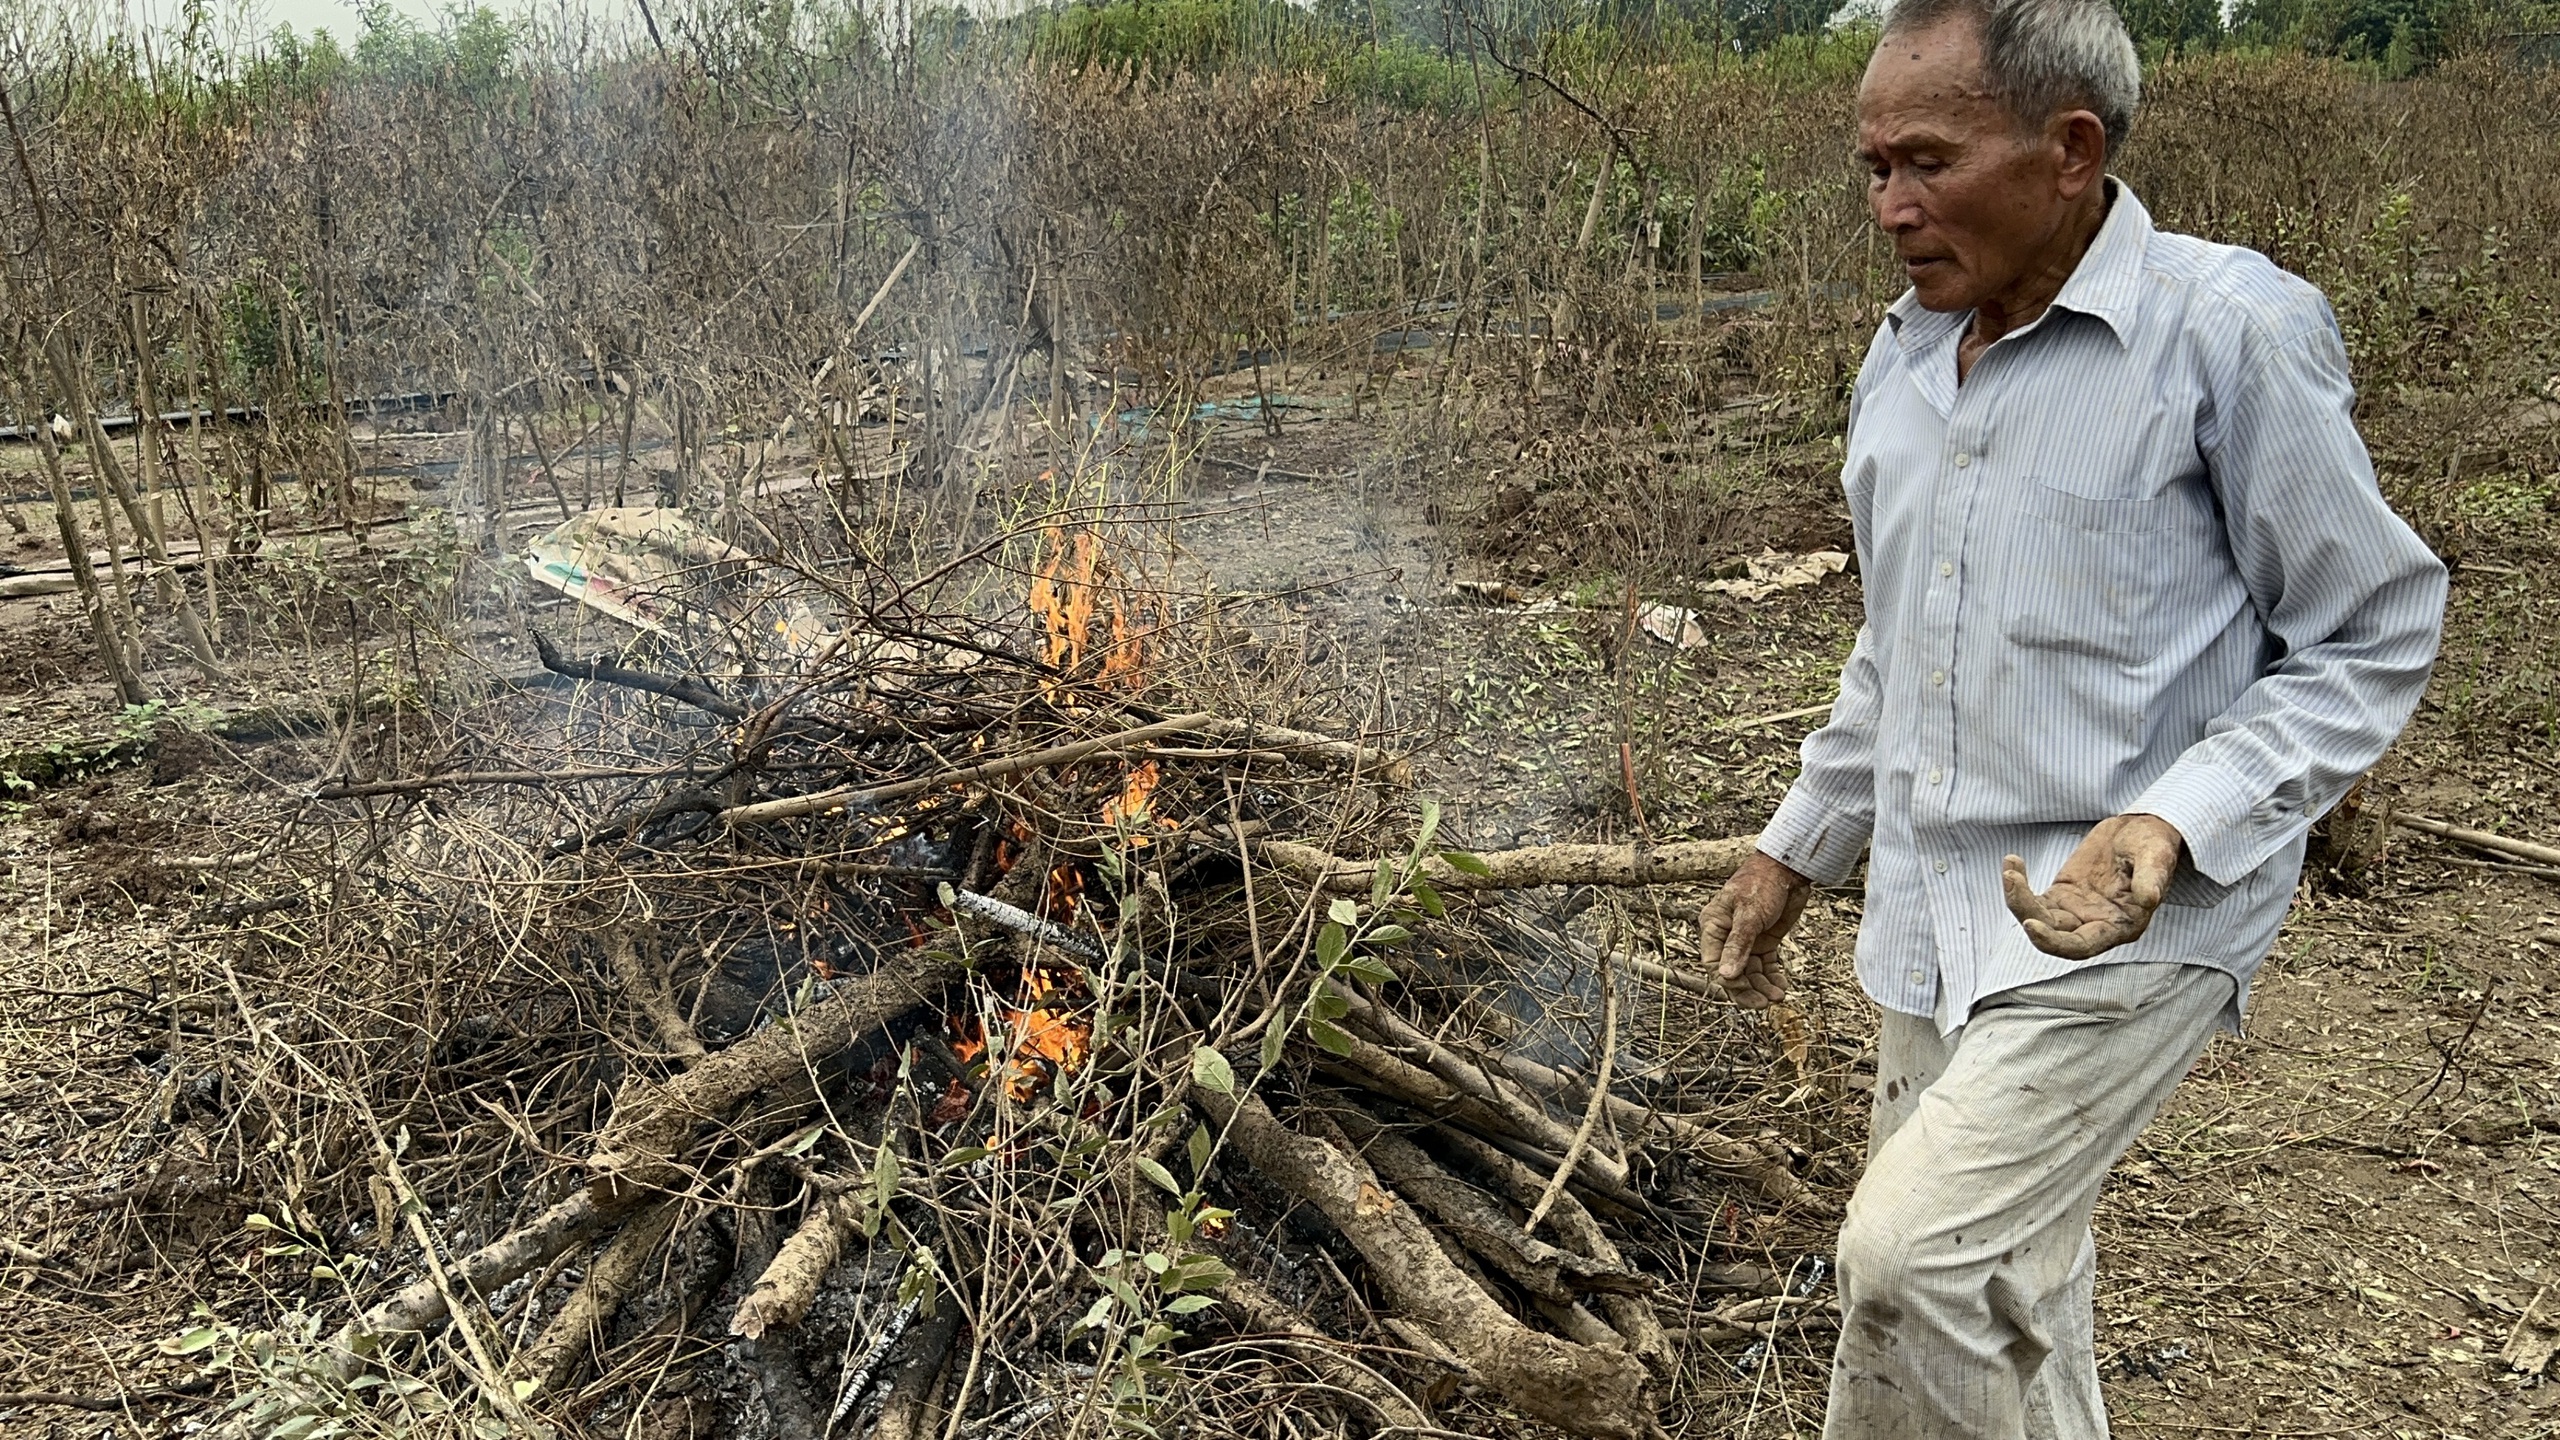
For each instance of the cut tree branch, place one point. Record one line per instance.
(1681, 862)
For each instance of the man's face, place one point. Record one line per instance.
(1971, 199)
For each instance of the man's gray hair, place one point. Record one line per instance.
(2043, 57)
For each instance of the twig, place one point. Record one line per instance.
(606, 672)
(1779, 718)
(361, 789)
(1598, 1106)
(101, 1404)
(2479, 839)
(1020, 921)
(2500, 867)
(849, 797)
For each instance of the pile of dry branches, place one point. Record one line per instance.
(966, 1037)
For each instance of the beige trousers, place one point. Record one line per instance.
(1965, 1262)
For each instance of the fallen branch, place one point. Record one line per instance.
(853, 797)
(1679, 863)
(104, 1404)
(1263, 1311)
(1472, 1216)
(1754, 1162)
(788, 1286)
(422, 1303)
(408, 785)
(606, 672)
(645, 983)
(564, 1344)
(1630, 1314)
(2479, 839)
(653, 1120)
(905, 1414)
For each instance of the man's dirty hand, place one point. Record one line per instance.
(1739, 930)
(2106, 892)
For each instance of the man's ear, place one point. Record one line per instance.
(2082, 138)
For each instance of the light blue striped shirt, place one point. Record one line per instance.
(2137, 562)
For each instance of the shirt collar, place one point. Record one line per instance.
(2105, 284)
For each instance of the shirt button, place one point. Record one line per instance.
(1946, 567)
(1936, 775)
(1942, 867)
(1917, 977)
(1962, 459)
(1937, 677)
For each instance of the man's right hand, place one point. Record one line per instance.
(1739, 930)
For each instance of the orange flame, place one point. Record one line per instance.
(1066, 891)
(1062, 595)
(1131, 803)
(1070, 589)
(1045, 1036)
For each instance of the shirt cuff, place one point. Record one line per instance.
(1819, 841)
(2218, 815)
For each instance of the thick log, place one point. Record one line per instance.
(1681, 862)
(784, 1292)
(421, 1304)
(555, 1355)
(654, 1120)
(1579, 1388)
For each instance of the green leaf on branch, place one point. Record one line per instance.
(1390, 935)
(1159, 1175)
(1466, 864)
(1210, 1071)
(1430, 901)
(1332, 1037)
(1371, 969)
(1196, 1272)
(1343, 912)
(1331, 941)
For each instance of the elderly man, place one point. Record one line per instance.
(2137, 615)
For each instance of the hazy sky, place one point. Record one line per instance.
(239, 20)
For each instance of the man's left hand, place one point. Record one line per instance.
(2106, 891)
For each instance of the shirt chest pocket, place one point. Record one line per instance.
(2083, 576)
